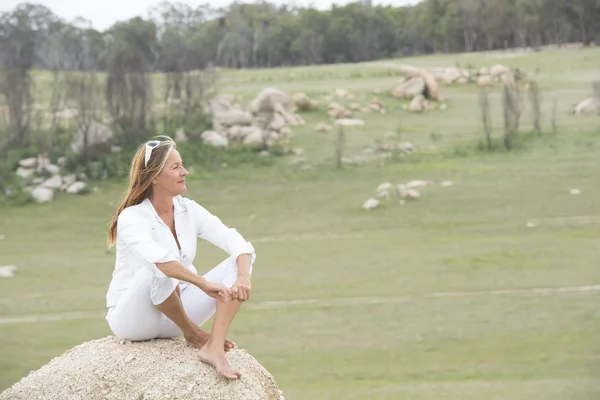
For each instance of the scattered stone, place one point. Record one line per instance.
(28, 162)
(52, 169)
(349, 122)
(214, 139)
(42, 194)
(485, 81)
(371, 204)
(302, 102)
(7, 271)
(77, 188)
(54, 182)
(588, 106)
(384, 186)
(446, 183)
(25, 173)
(323, 127)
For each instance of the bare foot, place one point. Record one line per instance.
(217, 360)
(199, 337)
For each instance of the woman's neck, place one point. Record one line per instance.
(162, 204)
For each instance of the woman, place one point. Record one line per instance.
(155, 290)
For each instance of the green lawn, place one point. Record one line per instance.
(378, 321)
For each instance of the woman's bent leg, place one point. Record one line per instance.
(212, 352)
(135, 317)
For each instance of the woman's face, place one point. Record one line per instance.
(171, 179)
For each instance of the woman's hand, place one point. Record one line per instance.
(217, 291)
(241, 289)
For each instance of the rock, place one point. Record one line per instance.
(68, 180)
(498, 70)
(588, 106)
(230, 118)
(341, 93)
(28, 162)
(403, 190)
(254, 138)
(384, 186)
(416, 105)
(268, 98)
(41, 162)
(52, 169)
(412, 194)
(214, 139)
(42, 194)
(409, 89)
(302, 102)
(155, 369)
(54, 182)
(449, 76)
(370, 204)
(278, 123)
(485, 81)
(575, 191)
(61, 161)
(409, 71)
(24, 173)
(221, 102)
(349, 122)
(418, 183)
(446, 183)
(7, 271)
(323, 127)
(336, 110)
(77, 188)
(99, 138)
(431, 86)
(508, 78)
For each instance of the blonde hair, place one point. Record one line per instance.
(141, 177)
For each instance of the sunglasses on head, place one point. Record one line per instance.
(149, 147)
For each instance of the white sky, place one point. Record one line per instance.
(103, 13)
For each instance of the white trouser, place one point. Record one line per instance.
(134, 317)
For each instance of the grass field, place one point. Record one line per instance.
(429, 300)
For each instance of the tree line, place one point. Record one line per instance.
(174, 37)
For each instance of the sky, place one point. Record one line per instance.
(104, 13)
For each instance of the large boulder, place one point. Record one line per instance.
(214, 139)
(409, 89)
(268, 98)
(109, 369)
(588, 106)
(99, 139)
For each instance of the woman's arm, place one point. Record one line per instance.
(174, 269)
(211, 228)
(135, 230)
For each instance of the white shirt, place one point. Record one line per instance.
(143, 240)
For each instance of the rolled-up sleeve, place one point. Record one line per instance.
(212, 229)
(135, 232)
